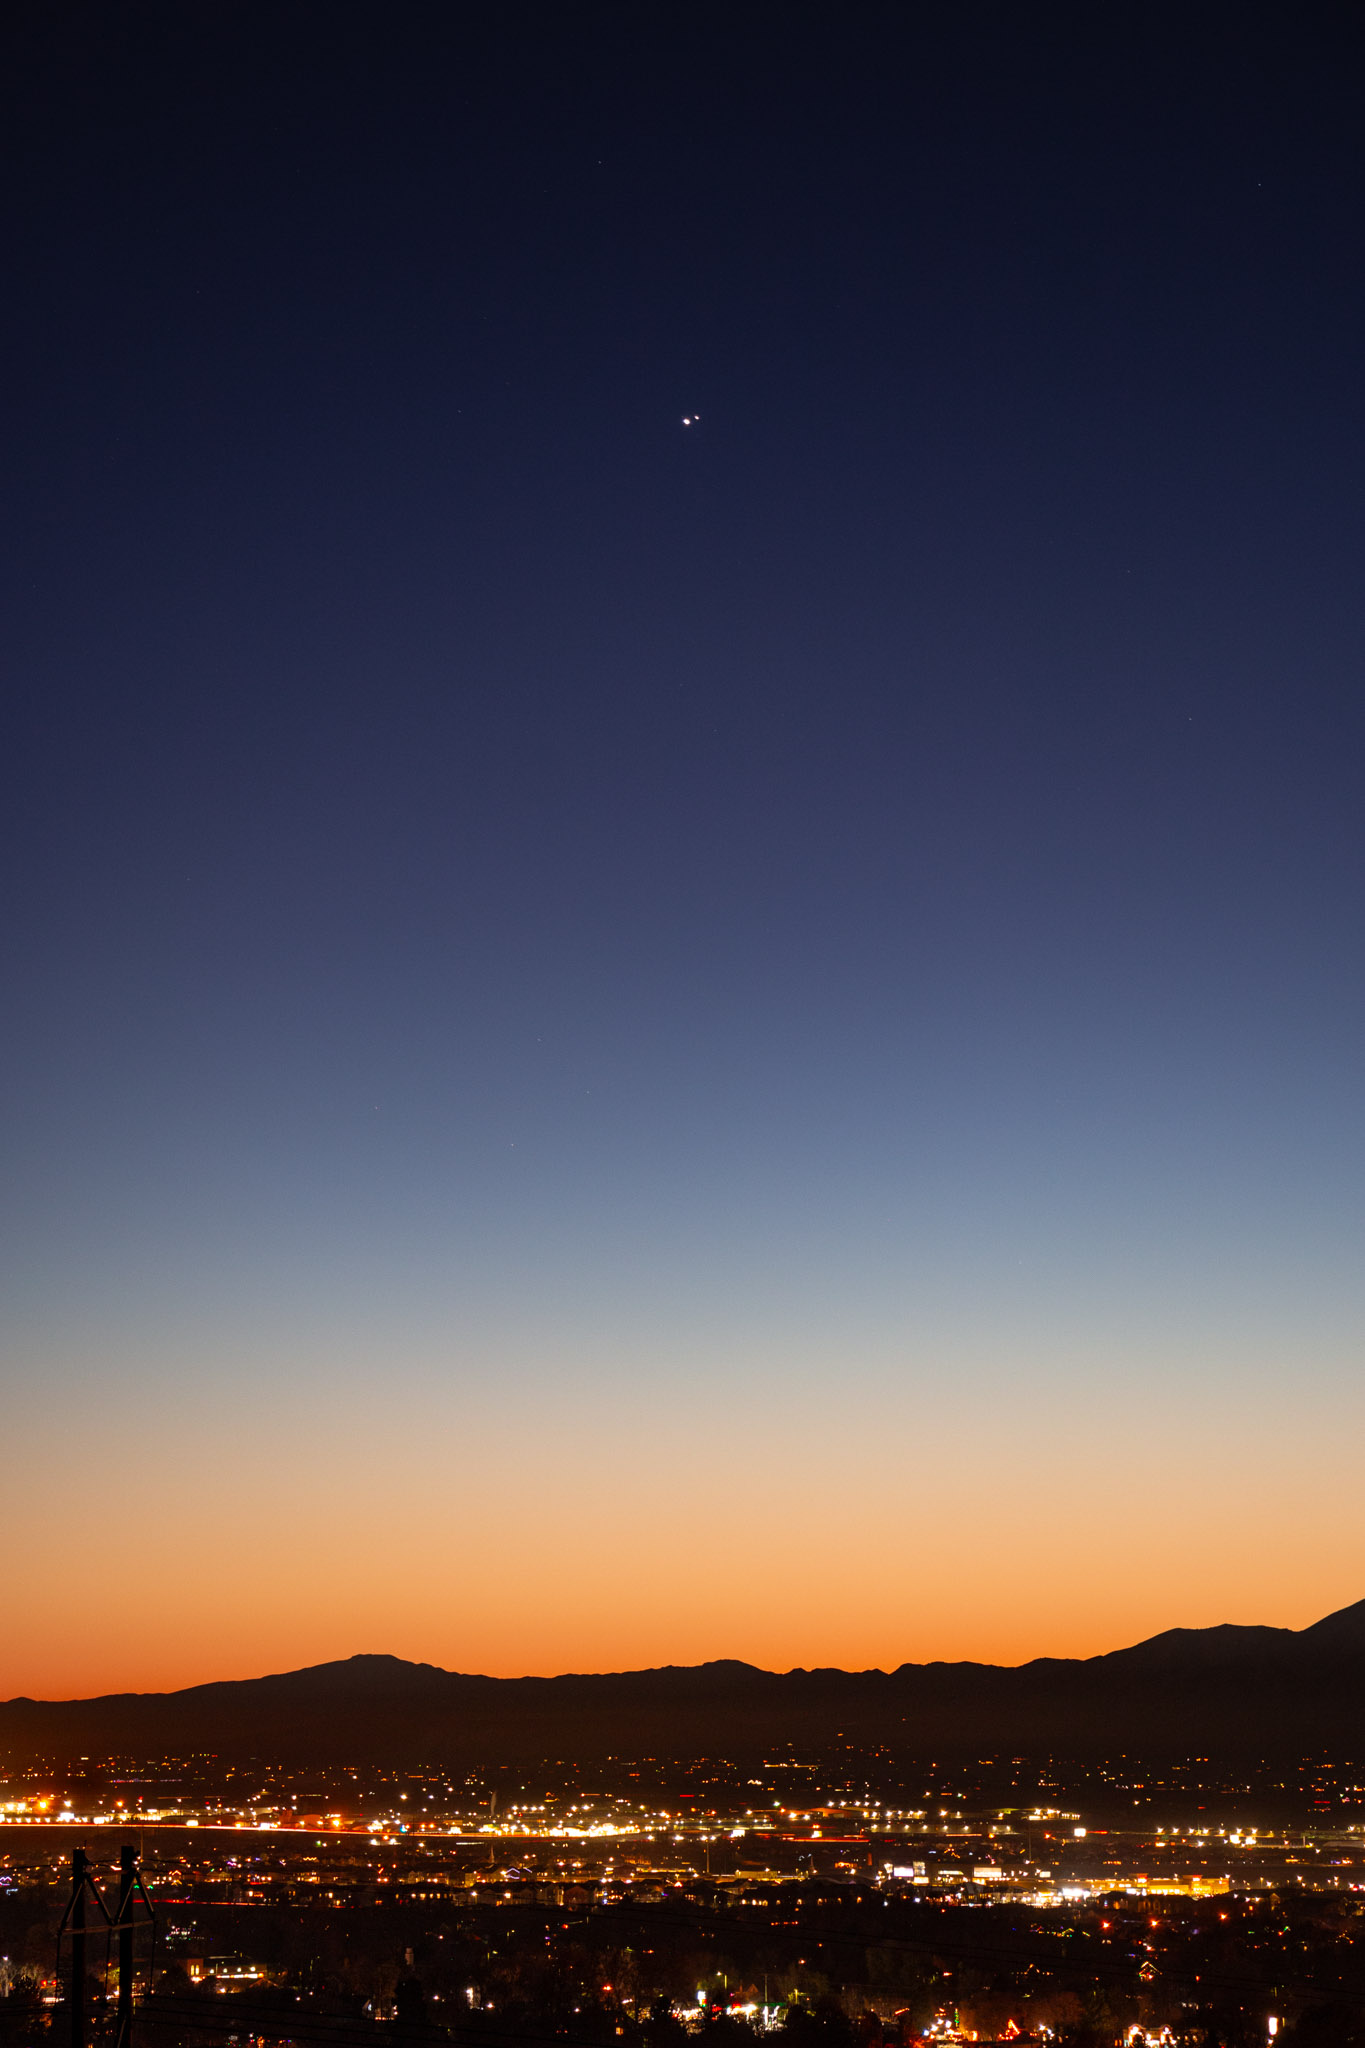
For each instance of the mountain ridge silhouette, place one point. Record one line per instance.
(1231, 1689)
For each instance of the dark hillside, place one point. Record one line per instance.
(1241, 1691)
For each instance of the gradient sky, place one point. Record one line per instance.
(626, 1042)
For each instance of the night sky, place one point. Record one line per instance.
(628, 1041)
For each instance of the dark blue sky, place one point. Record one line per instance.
(596, 933)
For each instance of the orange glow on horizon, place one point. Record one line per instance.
(527, 1622)
(270, 1530)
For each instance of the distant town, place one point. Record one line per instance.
(883, 1901)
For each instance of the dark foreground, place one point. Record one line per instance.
(800, 1964)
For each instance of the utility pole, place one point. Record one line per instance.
(80, 1878)
(127, 1885)
(82, 1885)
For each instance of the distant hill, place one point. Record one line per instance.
(1231, 1691)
